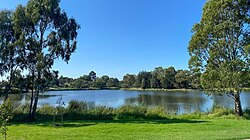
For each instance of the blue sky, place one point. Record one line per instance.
(127, 36)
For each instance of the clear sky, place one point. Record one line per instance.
(126, 36)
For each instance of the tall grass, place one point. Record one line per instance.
(79, 110)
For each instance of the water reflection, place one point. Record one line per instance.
(174, 102)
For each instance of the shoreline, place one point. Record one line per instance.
(155, 89)
(116, 88)
(132, 89)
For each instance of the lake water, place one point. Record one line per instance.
(174, 102)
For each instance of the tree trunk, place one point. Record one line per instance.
(36, 96)
(8, 86)
(31, 104)
(237, 107)
(34, 105)
(32, 96)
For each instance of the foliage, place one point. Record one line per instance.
(47, 110)
(59, 110)
(112, 82)
(32, 37)
(218, 47)
(24, 108)
(157, 112)
(78, 106)
(222, 112)
(131, 112)
(128, 80)
(6, 115)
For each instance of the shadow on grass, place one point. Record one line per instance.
(46, 121)
(238, 138)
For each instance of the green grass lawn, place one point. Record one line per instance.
(172, 129)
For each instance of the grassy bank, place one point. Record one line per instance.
(195, 129)
(84, 120)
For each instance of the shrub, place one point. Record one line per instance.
(22, 109)
(46, 110)
(247, 113)
(156, 113)
(102, 113)
(131, 112)
(77, 106)
(219, 111)
(6, 114)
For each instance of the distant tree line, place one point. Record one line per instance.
(159, 78)
(87, 81)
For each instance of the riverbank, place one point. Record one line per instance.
(129, 89)
(127, 122)
(155, 89)
(69, 89)
(117, 88)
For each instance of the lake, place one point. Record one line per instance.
(174, 102)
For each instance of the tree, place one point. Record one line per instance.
(143, 79)
(65, 81)
(182, 79)
(99, 83)
(105, 78)
(220, 47)
(156, 76)
(6, 115)
(9, 58)
(92, 76)
(112, 82)
(44, 33)
(128, 80)
(168, 80)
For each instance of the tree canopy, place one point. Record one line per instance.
(32, 37)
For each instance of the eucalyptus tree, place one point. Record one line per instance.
(9, 58)
(220, 47)
(45, 33)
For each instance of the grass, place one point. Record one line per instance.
(86, 121)
(134, 129)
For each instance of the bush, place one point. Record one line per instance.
(22, 109)
(46, 110)
(131, 112)
(77, 106)
(156, 113)
(102, 113)
(218, 111)
(247, 113)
